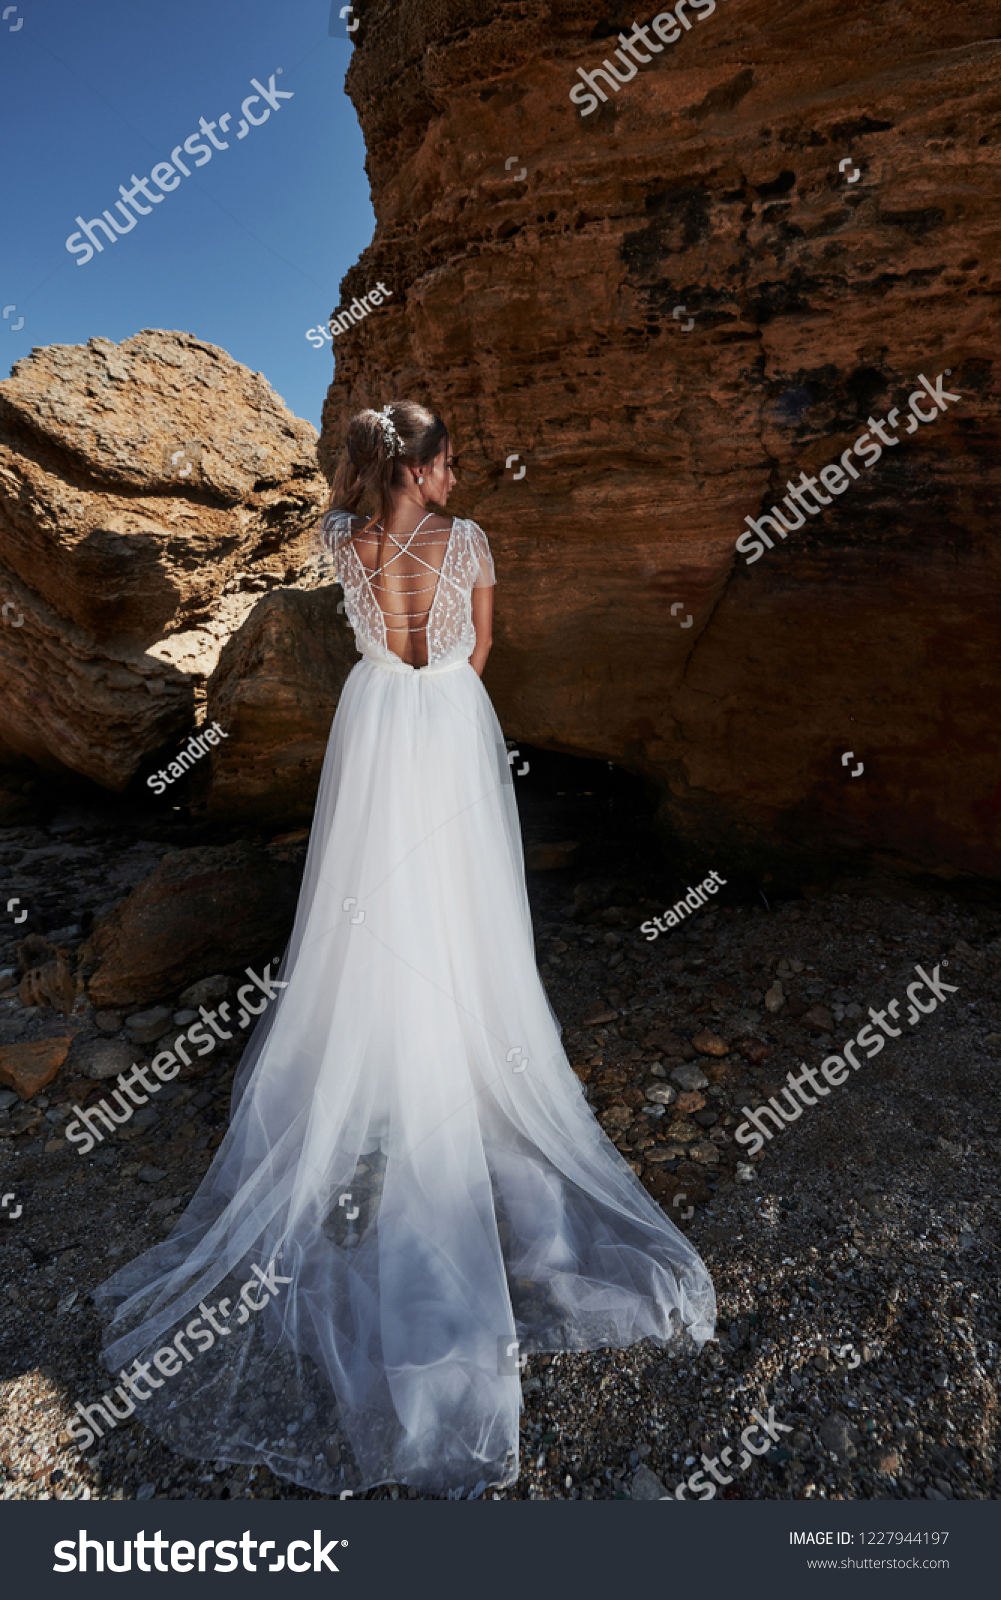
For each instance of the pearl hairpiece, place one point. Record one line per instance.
(392, 438)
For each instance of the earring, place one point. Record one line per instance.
(421, 478)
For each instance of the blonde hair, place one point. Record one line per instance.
(372, 462)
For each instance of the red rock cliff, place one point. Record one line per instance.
(534, 306)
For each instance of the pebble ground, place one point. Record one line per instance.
(855, 1260)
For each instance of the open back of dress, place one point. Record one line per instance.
(408, 595)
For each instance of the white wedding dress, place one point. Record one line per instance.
(408, 1143)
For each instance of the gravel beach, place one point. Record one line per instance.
(855, 1257)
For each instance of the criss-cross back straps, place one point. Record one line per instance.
(404, 549)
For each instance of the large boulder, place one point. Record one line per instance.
(668, 308)
(275, 692)
(149, 492)
(210, 909)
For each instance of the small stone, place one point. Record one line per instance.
(684, 1132)
(616, 1118)
(690, 1077)
(102, 1058)
(888, 1462)
(661, 1094)
(593, 1021)
(774, 998)
(145, 1027)
(204, 992)
(834, 1434)
(755, 1050)
(53, 1146)
(29, 1067)
(183, 1018)
(710, 1044)
(146, 1491)
(645, 1485)
(8, 1098)
(818, 1018)
(150, 1174)
(744, 1172)
(704, 1151)
(108, 1021)
(690, 1100)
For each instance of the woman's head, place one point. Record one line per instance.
(401, 452)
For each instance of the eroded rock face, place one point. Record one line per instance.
(149, 491)
(537, 313)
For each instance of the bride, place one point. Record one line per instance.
(412, 1184)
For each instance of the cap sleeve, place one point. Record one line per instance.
(486, 577)
(335, 528)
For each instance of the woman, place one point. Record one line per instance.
(412, 1175)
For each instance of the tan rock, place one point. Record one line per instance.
(129, 575)
(690, 1100)
(705, 1152)
(710, 1044)
(29, 1067)
(774, 998)
(211, 908)
(683, 1132)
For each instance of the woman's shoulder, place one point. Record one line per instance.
(339, 525)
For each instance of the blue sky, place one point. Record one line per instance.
(249, 250)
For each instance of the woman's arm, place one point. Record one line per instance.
(483, 616)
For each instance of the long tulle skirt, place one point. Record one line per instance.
(412, 1188)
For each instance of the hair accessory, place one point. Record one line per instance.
(389, 433)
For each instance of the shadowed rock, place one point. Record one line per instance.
(208, 909)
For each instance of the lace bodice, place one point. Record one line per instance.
(408, 596)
